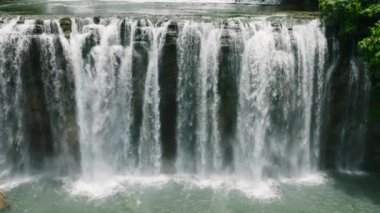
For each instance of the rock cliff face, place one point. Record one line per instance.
(352, 115)
(37, 96)
(37, 119)
(373, 147)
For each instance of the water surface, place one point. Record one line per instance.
(336, 193)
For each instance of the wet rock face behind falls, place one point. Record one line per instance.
(249, 97)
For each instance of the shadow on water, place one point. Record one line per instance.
(358, 185)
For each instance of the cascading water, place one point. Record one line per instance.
(277, 100)
(149, 143)
(248, 100)
(58, 90)
(36, 98)
(351, 148)
(13, 42)
(103, 96)
(198, 63)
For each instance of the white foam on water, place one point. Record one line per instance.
(353, 172)
(312, 179)
(10, 184)
(99, 189)
(102, 188)
(256, 190)
(94, 189)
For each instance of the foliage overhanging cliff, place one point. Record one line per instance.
(358, 21)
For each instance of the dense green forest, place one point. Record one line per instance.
(358, 21)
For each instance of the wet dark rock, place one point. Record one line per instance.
(345, 116)
(140, 60)
(21, 21)
(373, 149)
(39, 27)
(37, 120)
(225, 39)
(66, 26)
(97, 20)
(276, 26)
(39, 22)
(172, 34)
(89, 43)
(38, 30)
(228, 90)
(168, 75)
(125, 31)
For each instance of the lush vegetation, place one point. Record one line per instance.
(370, 47)
(357, 20)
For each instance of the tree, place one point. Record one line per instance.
(356, 20)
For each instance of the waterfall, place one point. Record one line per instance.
(149, 143)
(104, 95)
(37, 114)
(202, 73)
(243, 97)
(103, 76)
(276, 99)
(58, 90)
(280, 88)
(352, 137)
(14, 43)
